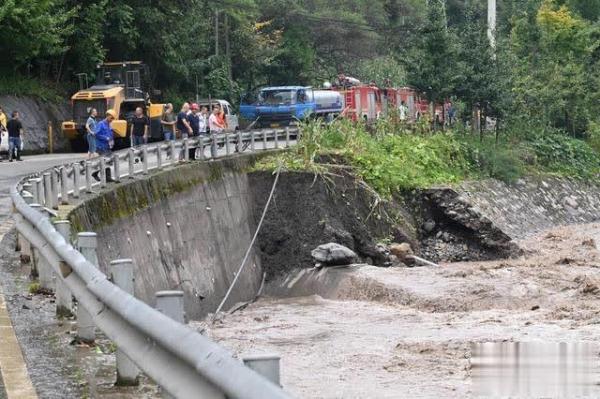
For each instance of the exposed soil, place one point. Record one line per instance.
(407, 332)
(309, 210)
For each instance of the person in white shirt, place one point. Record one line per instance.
(203, 120)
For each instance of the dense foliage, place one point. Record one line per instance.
(396, 158)
(541, 80)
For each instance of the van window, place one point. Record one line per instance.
(226, 109)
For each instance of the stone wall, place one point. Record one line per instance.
(533, 204)
(35, 115)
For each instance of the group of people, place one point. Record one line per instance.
(192, 120)
(14, 128)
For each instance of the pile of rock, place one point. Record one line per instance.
(333, 254)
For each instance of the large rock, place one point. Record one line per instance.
(403, 252)
(333, 254)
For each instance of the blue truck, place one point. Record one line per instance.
(284, 105)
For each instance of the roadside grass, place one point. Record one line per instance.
(389, 157)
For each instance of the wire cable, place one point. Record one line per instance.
(239, 272)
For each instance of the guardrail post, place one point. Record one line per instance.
(239, 146)
(201, 148)
(22, 243)
(252, 141)
(145, 159)
(116, 168)
(28, 197)
(41, 269)
(87, 243)
(226, 143)
(64, 188)
(34, 190)
(266, 365)
(131, 162)
(64, 302)
(54, 191)
(35, 255)
(76, 181)
(158, 157)
(121, 271)
(39, 183)
(172, 151)
(171, 304)
(186, 150)
(26, 187)
(102, 172)
(88, 177)
(214, 153)
(264, 133)
(287, 136)
(47, 189)
(276, 136)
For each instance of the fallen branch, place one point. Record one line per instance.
(422, 261)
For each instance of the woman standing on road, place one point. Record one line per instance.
(90, 126)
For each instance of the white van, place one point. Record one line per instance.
(230, 116)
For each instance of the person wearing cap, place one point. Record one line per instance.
(104, 133)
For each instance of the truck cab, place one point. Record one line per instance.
(278, 106)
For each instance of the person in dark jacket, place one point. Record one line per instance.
(15, 133)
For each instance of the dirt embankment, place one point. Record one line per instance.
(309, 210)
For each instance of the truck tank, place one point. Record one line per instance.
(328, 101)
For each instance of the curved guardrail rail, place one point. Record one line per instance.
(182, 361)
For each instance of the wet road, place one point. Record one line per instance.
(17, 379)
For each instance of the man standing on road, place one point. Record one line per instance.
(139, 128)
(182, 124)
(203, 116)
(90, 127)
(168, 123)
(15, 133)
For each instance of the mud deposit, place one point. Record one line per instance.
(415, 341)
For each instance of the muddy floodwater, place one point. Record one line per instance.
(426, 332)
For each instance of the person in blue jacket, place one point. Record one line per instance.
(105, 141)
(104, 133)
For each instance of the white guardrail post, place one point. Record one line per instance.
(64, 301)
(47, 190)
(41, 269)
(54, 191)
(116, 175)
(76, 179)
(121, 271)
(88, 176)
(64, 187)
(87, 243)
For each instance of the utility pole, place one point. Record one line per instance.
(217, 33)
(228, 53)
(492, 22)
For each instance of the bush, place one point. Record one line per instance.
(21, 86)
(563, 155)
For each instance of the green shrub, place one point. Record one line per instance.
(22, 86)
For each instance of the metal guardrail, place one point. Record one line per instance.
(183, 362)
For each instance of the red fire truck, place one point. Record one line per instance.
(361, 102)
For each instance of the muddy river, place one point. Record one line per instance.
(460, 330)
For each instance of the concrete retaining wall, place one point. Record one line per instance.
(534, 204)
(186, 228)
(35, 115)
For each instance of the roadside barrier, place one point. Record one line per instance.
(184, 363)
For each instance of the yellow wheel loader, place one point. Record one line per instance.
(119, 86)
